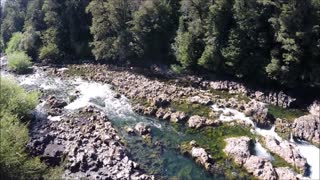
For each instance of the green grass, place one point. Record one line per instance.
(191, 109)
(226, 95)
(282, 113)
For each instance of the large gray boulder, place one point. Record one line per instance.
(288, 151)
(259, 112)
(307, 128)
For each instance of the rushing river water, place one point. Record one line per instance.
(165, 160)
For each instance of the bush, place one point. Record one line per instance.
(177, 69)
(14, 161)
(15, 100)
(49, 52)
(14, 44)
(19, 62)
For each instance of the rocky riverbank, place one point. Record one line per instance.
(153, 97)
(83, 142)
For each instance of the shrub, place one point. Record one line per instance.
(14, 44)
(177, 69)
(15, 100)
(49, 52)
(19, 62)
(14, 161)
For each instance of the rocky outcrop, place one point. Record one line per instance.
(287, 173)
(198, 122)
(288, 151)
(307, 128)
(200, 155)
(259, 113)
(238, 148)
(271, 97)
(178, 116)
(88, 142)
(142, 128)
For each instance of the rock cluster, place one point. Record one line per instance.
(271, 97)
(307, 128)
(88, 144)
(288, 151)
(239, 150)
(259, 113)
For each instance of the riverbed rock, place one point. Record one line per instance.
(286, 173)
(260, 167)
(142, 128)
(259, 112)
(178, 116)
(196, 121)
(288, 151)
(307, 128)
(203, 100)
(238, 148)
(90, 145)
(314, 109)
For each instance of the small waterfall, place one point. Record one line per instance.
(308, 151)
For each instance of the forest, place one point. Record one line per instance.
(270, 40)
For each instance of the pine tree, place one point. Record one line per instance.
(154, 26)
(112, 39)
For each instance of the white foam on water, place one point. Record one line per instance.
(310, 152)
(234, 115)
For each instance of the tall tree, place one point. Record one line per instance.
(189, 43)
(13, 18)
(54, 44)
(154, 26)
(112, 39)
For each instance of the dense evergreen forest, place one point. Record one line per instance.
(268, 40)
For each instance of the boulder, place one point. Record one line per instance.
(238, 148)
(53, 154)
(307, 128)
(288, 151)
(142, 128)
(260, 167)
(259, 112)
(286, 173)
(178, 117)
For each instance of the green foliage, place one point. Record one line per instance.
(282, 113)
(110, 29)
(153, 29)
(177, 69)
(50, 51)
(19, 62)
(15, 43)
(15, 100)
(192, 109)
(13, 19)
(15, 163)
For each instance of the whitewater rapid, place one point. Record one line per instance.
(307, 150)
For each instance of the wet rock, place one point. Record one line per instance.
(259, 112)
(160, 113)
(260, 168)
(117, 96)
(314, 109)
(196, 122)
(286, 173)
(161, 101)
(307, 128)
(238, 148)
(288, 151)
(130, 130)
(89, 143)
(178, 116)
(142, 128)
